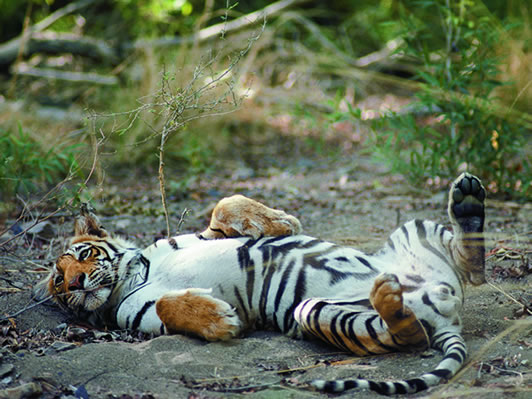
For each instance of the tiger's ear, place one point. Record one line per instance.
(87, 223)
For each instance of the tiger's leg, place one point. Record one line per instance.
(381, 325)
(194, 311)
(466, 212)
(239, 216)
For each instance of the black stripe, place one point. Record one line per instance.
(269, 241)
(161, 329)
(264, 294)
(314, 316)
(113, 248)
(282, 286)
(146, 264)
(243, 257)
(399, 388)
(373, 334)
(426, 300)
(334, 332)
(349, 332)
(250, 282)
(461, 350)
(454, 356)
(365, 262)
(405, 233)
(441, 373)
(422, 236)
(330, 386)
(299, 293)
(140, 314)
(361, 302)
(311, 243)
(241, 303)
(418, 383)
(378, 387)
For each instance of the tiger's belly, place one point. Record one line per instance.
(265, 280)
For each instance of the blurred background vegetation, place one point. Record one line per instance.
(429, 87)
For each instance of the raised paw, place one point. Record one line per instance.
(239, 216)
(466, 211)
(386, 296)
(195, 311)
(466, 203)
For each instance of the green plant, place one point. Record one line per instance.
(26, 167)
(466, 127)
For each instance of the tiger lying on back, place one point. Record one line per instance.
(405, 297)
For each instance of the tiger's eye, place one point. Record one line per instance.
(84, 254)
(58, 279)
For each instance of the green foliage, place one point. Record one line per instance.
(158, 17)
(26, 167)
(467, 129)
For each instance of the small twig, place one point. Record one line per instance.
(26, 308)
(510, 297)
(181, 220)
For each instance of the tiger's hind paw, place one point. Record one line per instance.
(386, 296)
(466, 203)
(239, 216)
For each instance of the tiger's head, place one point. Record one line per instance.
(84, 276)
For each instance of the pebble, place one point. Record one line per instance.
(29, 390)
(59, 346)
(6, 369)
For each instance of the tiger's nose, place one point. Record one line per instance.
(77, 282)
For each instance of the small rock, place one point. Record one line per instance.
(60, 328)
(107, 335)
(43, 230)
(6, 369)
(59, 346)
(6, 381)
(28, 390)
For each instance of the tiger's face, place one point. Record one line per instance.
(84, 276)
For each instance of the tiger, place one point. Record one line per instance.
(252, 269)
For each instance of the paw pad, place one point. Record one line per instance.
(467, 196)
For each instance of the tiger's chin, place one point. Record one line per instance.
(89, 300)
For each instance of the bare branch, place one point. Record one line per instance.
(218, 29)
(10, 49)
(78, 77)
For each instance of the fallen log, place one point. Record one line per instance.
(60, 43)
(10, 49)
(77, 77)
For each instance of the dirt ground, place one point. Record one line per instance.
(345, 199)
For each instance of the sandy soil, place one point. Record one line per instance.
(349, 200)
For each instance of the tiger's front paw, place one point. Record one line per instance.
(195, 311)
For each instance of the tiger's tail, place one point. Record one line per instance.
(454, 354)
